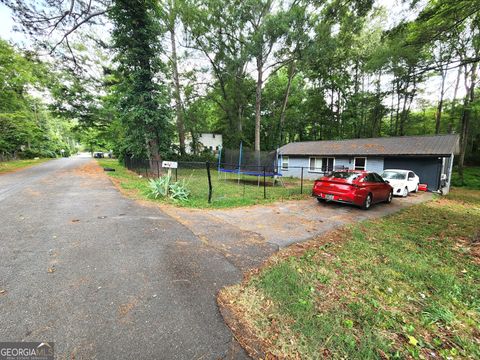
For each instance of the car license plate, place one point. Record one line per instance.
(329, 197)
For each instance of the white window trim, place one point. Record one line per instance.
(355, 161)
(287, 158)
(321, 165)
(316, 169)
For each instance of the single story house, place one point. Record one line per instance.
(430, 157)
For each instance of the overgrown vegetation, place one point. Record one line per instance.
(227, 192)
(407, 285)
(471, 178)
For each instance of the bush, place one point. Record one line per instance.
(33, 153)
(178, 191)
(159, 187)
(162, 187)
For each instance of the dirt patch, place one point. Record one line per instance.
(32, 192)
(125, 309)
(90, 169)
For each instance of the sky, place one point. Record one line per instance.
(397, 10)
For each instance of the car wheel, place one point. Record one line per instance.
(405, 192)
(389, 198)
(320, 200)
(368, 202)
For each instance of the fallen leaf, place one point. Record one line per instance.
(412, 340)
(51, 269)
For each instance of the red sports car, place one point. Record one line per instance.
(359, 188)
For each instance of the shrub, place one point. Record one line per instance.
(179, 191)
(159, 187)
(162, 187)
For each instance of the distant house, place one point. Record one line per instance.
(431, 157)
(206, 141)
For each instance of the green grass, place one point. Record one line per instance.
(404, 286)
(471, 177)
(8, 166)
(227, 191)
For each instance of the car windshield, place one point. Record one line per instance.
(349, 176)
(394, 175)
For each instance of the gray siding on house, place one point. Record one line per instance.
(374, 164)
(295, 163)
(428, 169)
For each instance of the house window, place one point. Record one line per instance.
(284, 162)
(360, 163)
(318, 164)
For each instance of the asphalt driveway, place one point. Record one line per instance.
(102, 276)
(248, 235)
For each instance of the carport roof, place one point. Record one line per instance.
(434, 145)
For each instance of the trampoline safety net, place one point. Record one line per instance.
(248, 161)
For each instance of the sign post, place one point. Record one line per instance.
(169, 165)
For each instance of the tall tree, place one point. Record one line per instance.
(142, 97)
(171, 10)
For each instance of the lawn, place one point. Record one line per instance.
(471, 177)
(228, 191)
(9, 166)
(405, 286)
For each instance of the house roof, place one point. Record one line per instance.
(433, 145)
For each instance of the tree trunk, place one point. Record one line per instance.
(291, 72)
(397, 113)
(469, 98)
(176, 82)
(454, 99)
(438, 114)
(258, 101)
(392, 109)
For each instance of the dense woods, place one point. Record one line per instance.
(141, 76)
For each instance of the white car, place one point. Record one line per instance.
(402, 181)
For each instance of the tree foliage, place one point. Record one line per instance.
(27, 128)
(267, 72)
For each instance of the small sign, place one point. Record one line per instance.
(169, 164)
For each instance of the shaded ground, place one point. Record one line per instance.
(102, 276)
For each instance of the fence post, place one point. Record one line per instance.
(209, 182)
(158, 169)
(176, 174)
(264, 185)
(301, 182)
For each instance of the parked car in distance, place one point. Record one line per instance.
(98, 155)
(359, 188)
(402, 181)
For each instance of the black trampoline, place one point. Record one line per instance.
(248, 162)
